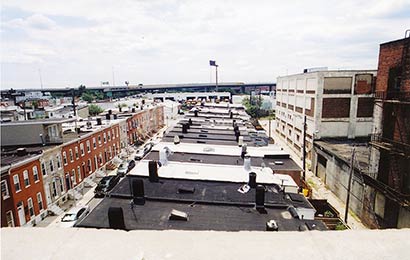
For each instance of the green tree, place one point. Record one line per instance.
(87, 96)
(94, 109)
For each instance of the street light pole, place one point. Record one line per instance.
(216, 77)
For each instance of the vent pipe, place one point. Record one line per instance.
(247, 162)
(176, 140)
(116, 218)
(153, 171)
(163, 158)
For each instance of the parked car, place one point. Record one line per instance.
(125, 167)
(74, 215)
(105, 185)
(143, 151)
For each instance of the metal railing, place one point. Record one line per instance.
(391, 144)
(393, 95)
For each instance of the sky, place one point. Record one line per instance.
(69, 43)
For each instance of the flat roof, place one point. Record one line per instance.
(285, 163)
(233, 150)
(342, 149)
(214, 172)
(211, 206)
(40, 121)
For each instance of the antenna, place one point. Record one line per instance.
(41, 80)
(113, 78)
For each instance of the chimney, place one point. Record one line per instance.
(184, 129)
(133, 110)
(21, 151)
(107, 116)
(138, 194)
(252, 180)
(110, 112)
(190, 121)
(99, 121)
(116, 218)
(196, 113)
(153, 171)
(115, 116)
(244, 150)
(237, 134)
(260, 197)
(247, 162)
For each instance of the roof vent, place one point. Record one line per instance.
(176, 140)
(185, 190)
(153, 171)
(21, 151)
(178, 215)
(240, 141)
(244, 150)
(116, 218)
(138, 194)
(163, 158)
(271, 225)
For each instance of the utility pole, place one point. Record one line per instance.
(349, 184)
(41, 80)
(304, 148)
(269, 125)
(216, 77)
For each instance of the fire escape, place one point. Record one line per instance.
(394, 142)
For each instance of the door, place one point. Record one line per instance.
(48, 194)
(22, 216)
(67, 182)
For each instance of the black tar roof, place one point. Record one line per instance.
(288, 164)
(212, 206)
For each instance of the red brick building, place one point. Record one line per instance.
(142, 125)
(22, 193)
(85, 155)
(391, 138)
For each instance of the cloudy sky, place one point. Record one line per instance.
(85, 42)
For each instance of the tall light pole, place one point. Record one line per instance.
(213, 63)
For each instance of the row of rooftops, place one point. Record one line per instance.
(191, 185)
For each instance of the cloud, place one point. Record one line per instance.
(171, 41)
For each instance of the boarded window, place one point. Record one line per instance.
(365, 107)
(363, 84)
(340, 85)
(336, 107)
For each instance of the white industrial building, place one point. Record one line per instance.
(335, 103)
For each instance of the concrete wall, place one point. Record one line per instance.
(336, 178)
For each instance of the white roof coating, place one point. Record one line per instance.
(220, 149)
(102, 244)
(214, 172)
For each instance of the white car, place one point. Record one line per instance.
(74, 215)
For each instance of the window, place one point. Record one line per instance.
(58, 157)
(54, 189)
(73, 179)
(113, 135)
(61, 186)
(26, 179)
(35, 174)
(16, 181)
(109, 136)
(51, 165)
(30, 207)
(4, 190)
(105, 138)
(94, 143)
(88, 146)
(65, 158)
(9, 218)
(43, 169)
(116, 131)
(79, 173)
(76, 153)
(71, 155)
(40, 201)
(82, 149)
(89, 165)
(99, 139)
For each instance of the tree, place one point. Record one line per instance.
(253, 106)
(94, 109)
(81, 90)
(87, 96)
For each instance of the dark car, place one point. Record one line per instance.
(105, 185)
(131, 164)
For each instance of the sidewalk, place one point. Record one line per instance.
(319, 189)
